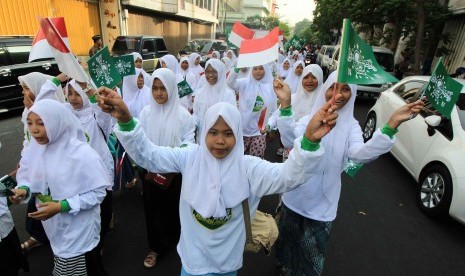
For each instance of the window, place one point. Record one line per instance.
(409, 91)
(160, 45)
(19, 54)
(148, 46)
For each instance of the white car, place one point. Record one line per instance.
(430, 146)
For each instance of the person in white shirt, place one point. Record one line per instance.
(294, 77)
(184, 73)
(217, 177)
(70, 179)
(308, 211)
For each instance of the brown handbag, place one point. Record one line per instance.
(163, 180)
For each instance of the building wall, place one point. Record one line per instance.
(19, 17)
(456, 28)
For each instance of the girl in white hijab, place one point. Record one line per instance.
(216, 54)
(217, 178)
(139, 63)
(166, 124)
(294, 77)
(284, 68)
(184, 73)
(314, 204)
(227, 63)
(170, 62)
(136, 94)
(307, 90)
(214, 91)
(196, 68)
(70, 196)
(256, 99)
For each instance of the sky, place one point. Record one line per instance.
(294, 11)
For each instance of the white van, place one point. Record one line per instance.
(385, 59)
(324, 57)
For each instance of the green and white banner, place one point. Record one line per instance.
(184, 89)
(102, 70)
(124, 65)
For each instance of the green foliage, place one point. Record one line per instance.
(268, 23)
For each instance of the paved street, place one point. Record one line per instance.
(378, 231)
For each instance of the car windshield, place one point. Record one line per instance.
(329, 51)
(194, 46)
(206, 48)
(461, 109)
(125, 45)
(386, 61)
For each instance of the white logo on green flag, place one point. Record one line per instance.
(184, 89)
(352, 168)
(357, 63)
(124, 65)
(102, 70)
(442, 91)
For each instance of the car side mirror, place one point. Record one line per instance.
(432, 122)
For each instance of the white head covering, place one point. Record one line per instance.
(217, 184)
(196, 70)
(171, 63)
(335, 142)
(147, 77)
(264, 86)
(34, 81)
(292, 79)
(135, 98)
(233, 55)
(181, 71)
(227, 63)
(66, 165)
(302, 101)
(284, 72)
(165, 119)
(217, 54)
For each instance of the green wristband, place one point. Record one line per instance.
(56, 81)
(389, 131)
(285, 112)
(308, 145)
(236, 70)
(65, 208)
(93, 99)
(129, 126)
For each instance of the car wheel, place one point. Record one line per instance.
(435, 191)
(370, 126)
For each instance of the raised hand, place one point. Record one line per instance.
(405, 113)
(283, 92)
(111, 102)
(321, 123)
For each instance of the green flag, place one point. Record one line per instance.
(102, 70)
(442, 91)
(125, 65)
(357, 63)
(184, 89)
(295, 42)
(352, 168)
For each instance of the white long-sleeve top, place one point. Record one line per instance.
(220, 250)
(309, 200)
(6, 220)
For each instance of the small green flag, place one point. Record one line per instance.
(102, 70)
(357, 63)
(125, 65)
(184, 89)
(442, 91)
(227, 33)
(295, 42)
(352, 168)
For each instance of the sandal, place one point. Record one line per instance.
(131, 184)
(30, 244)
(151, 260)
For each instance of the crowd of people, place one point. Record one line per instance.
(198, 157)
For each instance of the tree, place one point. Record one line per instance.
(301, 26)
(267, 23)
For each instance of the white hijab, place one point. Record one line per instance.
(34, 81)
(336, 142)
(302, 101)
(284, 72)
(164, 120)
(217, 184)
(292, 79)
(233, 55)
(136, 99)
(147, 77)
(217, 55)
(227, 63)
(254, 87)
(197, 70)
(181, 73)
(66, 165)
(171, 63)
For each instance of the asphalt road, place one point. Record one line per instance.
(378, 231)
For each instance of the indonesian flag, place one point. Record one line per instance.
(40, 48)
(254, 52)
(65, 59)
(238, 33)
(281, 37)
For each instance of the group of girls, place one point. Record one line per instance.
(194, 183)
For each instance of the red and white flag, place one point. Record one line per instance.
(238, 33)
(254, 52)
(281, 37)
(65, 59)
(40, 47)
